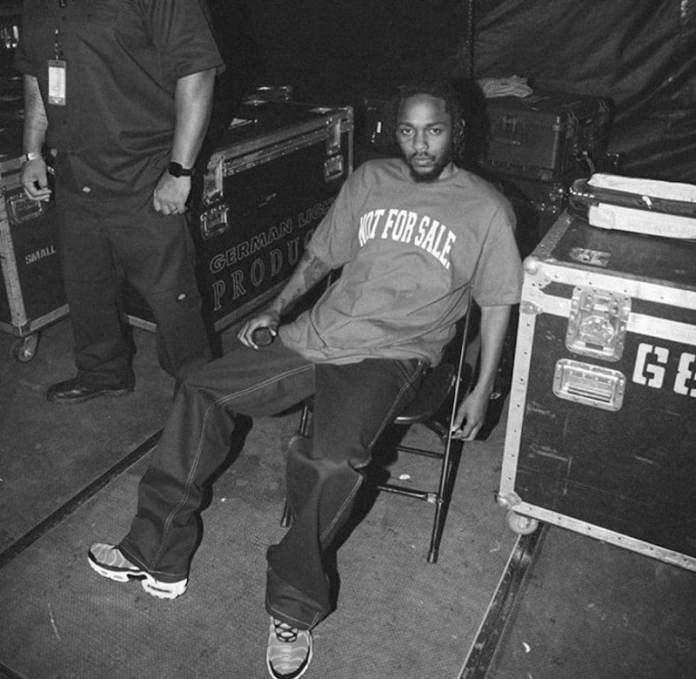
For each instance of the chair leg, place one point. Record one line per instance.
(436, 535)
(304, 427)
(444, 495)
(286, 519)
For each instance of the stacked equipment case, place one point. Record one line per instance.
(31, 285)
(537, 145)
(31, 289)
(261, 192)
(602, 415)
(546, 134)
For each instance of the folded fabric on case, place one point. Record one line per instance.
(646, 206)
(653, 188)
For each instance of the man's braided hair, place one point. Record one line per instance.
(462, 99)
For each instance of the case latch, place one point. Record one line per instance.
(333, 168)
(597, 323)
(212, 180)
(214, 221)
(21, 208)
(333, 136)
(591, 385)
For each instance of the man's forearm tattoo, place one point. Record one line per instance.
(312, 270)
(315, 270)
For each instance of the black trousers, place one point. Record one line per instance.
(101, 242)
(352, 405)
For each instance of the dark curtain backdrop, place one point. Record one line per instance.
(340, 49)
(640, 53)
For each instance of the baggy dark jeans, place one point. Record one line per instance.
(101, 241)
(352, 405)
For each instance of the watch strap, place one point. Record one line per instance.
(177, 170)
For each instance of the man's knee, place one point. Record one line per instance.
(329, 454)
(304, 455)
(308, 470)
(201, 379)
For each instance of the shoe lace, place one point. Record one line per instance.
(285, 632)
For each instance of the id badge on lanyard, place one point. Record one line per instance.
(57, 69)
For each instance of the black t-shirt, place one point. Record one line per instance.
(123, 58)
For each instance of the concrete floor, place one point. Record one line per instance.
(68, 477)
(398, 615)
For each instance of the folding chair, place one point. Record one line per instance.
(434, 407)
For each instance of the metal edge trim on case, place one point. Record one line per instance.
(627, 284)
(618, 539)
(640, 324)
(552, 237)
(241, 163)
(10, 329)
(10, 272)
(141, 323)
(54, 315)
(518, 394)
(318, 126)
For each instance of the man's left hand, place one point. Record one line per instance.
(470, 417)
(171, 194)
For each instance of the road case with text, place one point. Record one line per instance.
(602, 414)
(261, 192)
(31, 289)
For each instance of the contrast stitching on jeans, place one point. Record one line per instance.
(199, 449)
(420, 367)
(339, 511)
(275, 378)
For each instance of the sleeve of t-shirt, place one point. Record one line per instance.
(24, 60)
(181, 30)
(335, 240)
(498, 278)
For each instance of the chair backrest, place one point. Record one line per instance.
(460, 340)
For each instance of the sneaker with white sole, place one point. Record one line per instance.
(108, 561)
(289, 650)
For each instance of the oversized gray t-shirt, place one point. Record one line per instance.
(409, 251)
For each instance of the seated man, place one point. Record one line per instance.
(413, 236)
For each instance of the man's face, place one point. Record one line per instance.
(424, 133)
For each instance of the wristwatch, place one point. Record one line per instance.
(176, 170)
(31, 155)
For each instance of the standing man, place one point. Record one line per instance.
(121, 93)
(414, 236)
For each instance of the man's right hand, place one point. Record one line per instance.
(266, 319)
(35, 179)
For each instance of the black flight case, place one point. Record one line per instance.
(262, 191)
(602, 414)
(31, 287)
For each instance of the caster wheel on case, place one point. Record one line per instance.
(522, 525)
(24, 349)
